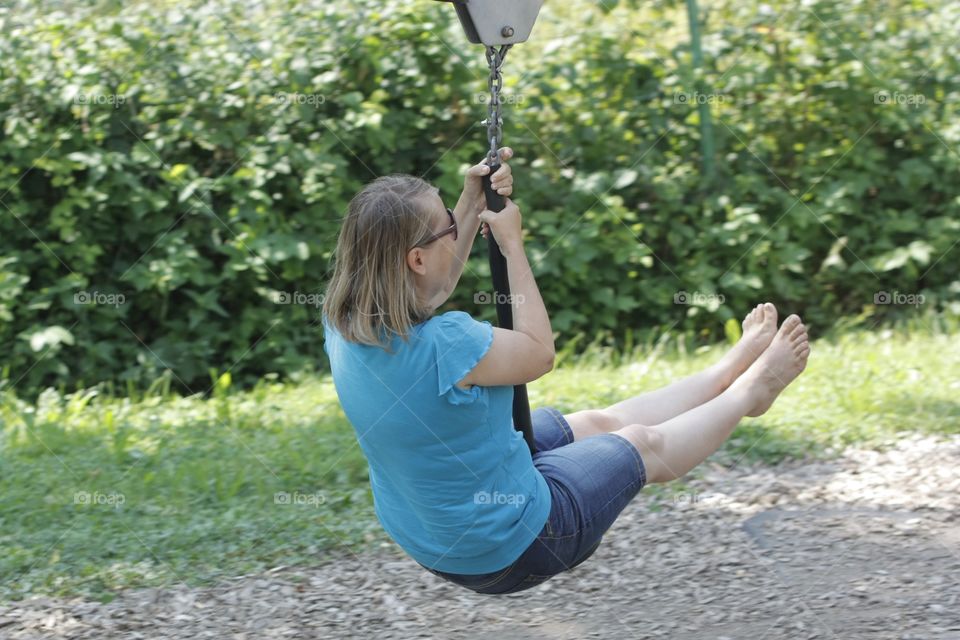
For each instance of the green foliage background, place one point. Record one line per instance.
(195, 158)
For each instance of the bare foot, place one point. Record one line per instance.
(778, 366)
(759, 327)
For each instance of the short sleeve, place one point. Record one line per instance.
(460, 343)
(326, 335)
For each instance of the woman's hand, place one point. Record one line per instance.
(502, 179)
(502, 182)
(506, 226)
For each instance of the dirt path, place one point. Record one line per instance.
(866, 546)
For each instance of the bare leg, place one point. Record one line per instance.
(655, 407)
(671, 449)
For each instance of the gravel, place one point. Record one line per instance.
(863, 546)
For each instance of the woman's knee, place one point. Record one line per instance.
(648, 442)
(591, 422)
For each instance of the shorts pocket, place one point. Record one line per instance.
(547, 526)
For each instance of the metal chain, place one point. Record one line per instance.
(494, 121)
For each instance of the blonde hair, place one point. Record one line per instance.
(371, 295)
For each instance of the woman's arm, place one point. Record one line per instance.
(472, 201)
(468, 224)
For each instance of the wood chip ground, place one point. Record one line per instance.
(863, 546)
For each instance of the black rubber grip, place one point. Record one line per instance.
(501, 295)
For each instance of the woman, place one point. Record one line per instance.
(430, 396)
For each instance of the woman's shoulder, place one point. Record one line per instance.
(459, 327)
(453, 323)
(454, 317)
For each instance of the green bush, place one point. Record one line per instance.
(184, 166)
(825, 195)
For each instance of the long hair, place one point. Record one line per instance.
(371, 296)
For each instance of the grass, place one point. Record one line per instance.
(99, 493)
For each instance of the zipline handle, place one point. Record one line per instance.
(495, 201)
(501, 296)
(498, 25)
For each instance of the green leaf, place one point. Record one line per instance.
(51, 337)
(732, 330)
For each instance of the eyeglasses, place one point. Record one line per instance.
(451, 229)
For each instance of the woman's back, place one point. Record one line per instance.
(452, 480)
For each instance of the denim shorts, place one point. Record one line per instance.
(590, 481)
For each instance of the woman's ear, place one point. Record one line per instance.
(415, 261)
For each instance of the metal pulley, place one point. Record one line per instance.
(497, 22)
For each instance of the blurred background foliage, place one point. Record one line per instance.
(184, 166)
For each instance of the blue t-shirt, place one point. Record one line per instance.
(453, 481)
